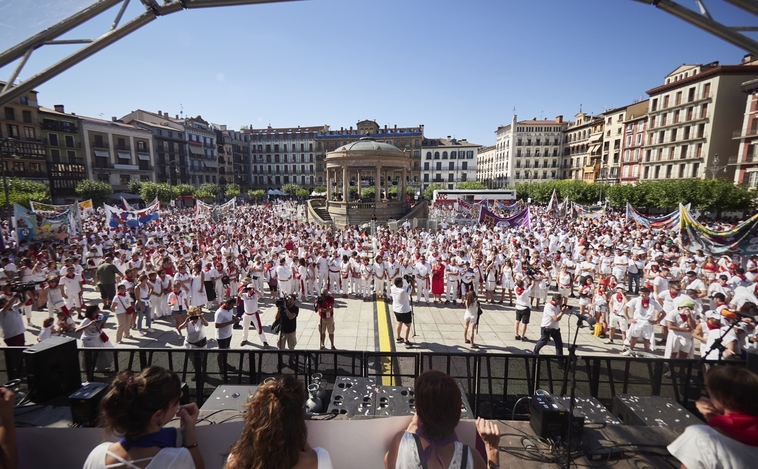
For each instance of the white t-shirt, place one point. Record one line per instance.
(703, 447)
(400, 300)
(167, 458)
(223, 315)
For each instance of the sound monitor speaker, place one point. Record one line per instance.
(52, 368)
(752, 360)
(85, 403)
(653, 411)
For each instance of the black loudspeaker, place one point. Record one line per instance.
(85, 403)
(52, 368)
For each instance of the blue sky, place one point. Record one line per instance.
(458, 67)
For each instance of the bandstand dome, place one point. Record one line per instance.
(365, 144)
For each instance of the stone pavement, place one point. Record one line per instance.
(359, 326)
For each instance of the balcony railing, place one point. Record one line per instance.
(100, 145)
(56, 127)
(27, 174)
(738, 134)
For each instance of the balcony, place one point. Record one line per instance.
(738, 134)
(124, 148)
(26, 174)
(57, 127)
(99, 145)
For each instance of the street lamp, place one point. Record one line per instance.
(715, 168)
(14, 155)
(170, 188)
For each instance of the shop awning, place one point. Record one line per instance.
(593, 148)
(144, 157)
(196, 150)
(124, 156)
(102, 154)
(595, 138)
(211, 164)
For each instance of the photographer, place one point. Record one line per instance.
(523, 311)
(551, 324)
(286, 313)
(324, 305)
(401, 306)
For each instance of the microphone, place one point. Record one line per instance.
(736, 314)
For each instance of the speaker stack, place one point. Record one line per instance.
(52, 368)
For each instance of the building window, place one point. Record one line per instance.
(124, 178)
(29, 133)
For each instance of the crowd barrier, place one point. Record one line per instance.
(492, 382)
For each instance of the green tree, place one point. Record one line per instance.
(209, 188)
(302, 193)
(256, 194)
(150, 190)
(184, 190)
(204, 194)
(232, 190)
(353, 192)
(22, 191)
(470, 185)
(429, 191)
(320, 189)
(368, 193)
(98, 191)
(134, 186)
(291, 189)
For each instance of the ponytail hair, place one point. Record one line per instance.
(131, 400)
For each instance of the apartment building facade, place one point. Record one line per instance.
(528, 151)
(284, 156)
(691, 119)
(746, 162)
(241, 159)
(117, 153)
(580, 143)
(65, 157)
(633, 145)
(610, 151)
(448, 161)
(169, 142)
(22, 150)
(486, 168)
(202, 153)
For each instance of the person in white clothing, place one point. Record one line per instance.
(422, 272)
(641, 313)
(523, 309)
(729, 440)
(251, 316)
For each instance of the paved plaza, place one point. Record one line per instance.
(361, 325)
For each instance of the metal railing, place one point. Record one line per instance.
(492, 382)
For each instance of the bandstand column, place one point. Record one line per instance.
(345, 185)
(378, 185)
(328, 185)
(401, 196)
(358, 183)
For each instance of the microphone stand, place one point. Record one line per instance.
(718, 344)
(572, 390)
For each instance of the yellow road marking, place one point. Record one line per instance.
(385, 342)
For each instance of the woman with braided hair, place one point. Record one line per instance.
(275, 435)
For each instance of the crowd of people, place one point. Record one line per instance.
(640, 285)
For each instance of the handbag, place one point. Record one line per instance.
(103, 336)
(276, 326)
(200, 343)
(129, 310)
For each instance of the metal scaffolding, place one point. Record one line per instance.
(703, 20)
(51, 35)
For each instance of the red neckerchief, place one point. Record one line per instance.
(740, 427)
(645, 303)
(121, 294)
(712, 326)
(684, 317)
(619, 297)
(70, 276)
(742, 277)
(519, 291)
